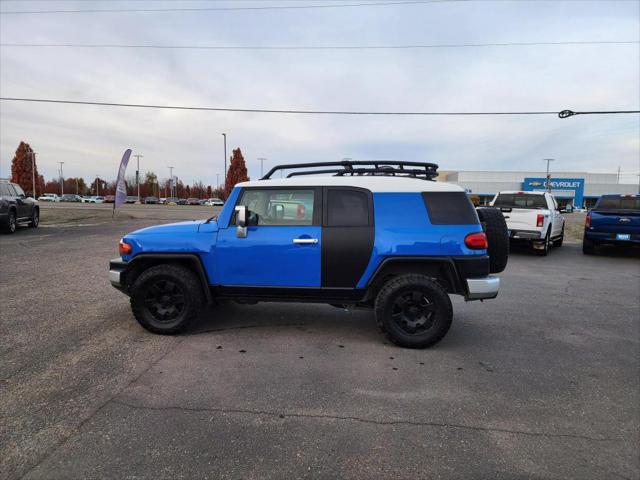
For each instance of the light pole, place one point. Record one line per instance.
(171, 180)
(217, 181)
(261, 166)
(61, 179)
(97, 185)
(548, 176)
(33, 172)
(225, 157)
(138, 174)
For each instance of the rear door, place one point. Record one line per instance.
(347, 235)
(283, 243)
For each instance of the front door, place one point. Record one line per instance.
(283, 243)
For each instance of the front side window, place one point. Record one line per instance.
(18, 190)
(279, 207)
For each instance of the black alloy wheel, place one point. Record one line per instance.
(165, 300)
(413, 312)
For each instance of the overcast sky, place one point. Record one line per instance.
(91, 140)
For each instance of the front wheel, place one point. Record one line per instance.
(413, 311)
(165, 299)
(588, 246)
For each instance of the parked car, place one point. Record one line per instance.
(614, 220)
(214, 202)
(171, 201)
(193, 201)
(427, 243)
(162, 200)
(16, 207)
(532, 217)
(49, 197)
(151, 200)
(70, 197)
(181, 201)
(109, 198)
(131, 199)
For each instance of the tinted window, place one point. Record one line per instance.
(450, 208)
(280, 207)
(520, 200)
(347, 208)
(4, 190)
(618, 202)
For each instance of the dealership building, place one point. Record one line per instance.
(581, 189)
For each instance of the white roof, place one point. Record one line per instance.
(379, 183)
(532, 192)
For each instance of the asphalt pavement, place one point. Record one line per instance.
(542, 382)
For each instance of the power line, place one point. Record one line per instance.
(227, 9)
(561, 114)
(319, 47)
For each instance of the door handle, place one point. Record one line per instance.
(305, 241)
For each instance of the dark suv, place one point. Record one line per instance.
(16, 208)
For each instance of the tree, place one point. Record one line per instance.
(208, 191)
(22, 168)
(237, 172)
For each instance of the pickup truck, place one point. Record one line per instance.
(615, 220)
(532, 217)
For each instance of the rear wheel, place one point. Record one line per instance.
(10, 226)
(413, 311)
(588, 246)
(558, 241)
(546, 243)
(35, 218)
(165, 299)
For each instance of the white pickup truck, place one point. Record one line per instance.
(532, 217)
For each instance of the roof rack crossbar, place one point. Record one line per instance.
(365, 167)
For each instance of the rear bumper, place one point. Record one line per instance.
(524, 234)
(481, 288)
(608, 237)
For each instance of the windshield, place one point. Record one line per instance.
(618, 202)
(520, 200)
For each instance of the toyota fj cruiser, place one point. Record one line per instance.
(384, 237)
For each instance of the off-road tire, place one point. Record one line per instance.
(547, 245)
(185, 280)
(398, 287)
(588, 246)
(12, 223)
(35, 218)
(495, 227)
(558, 241)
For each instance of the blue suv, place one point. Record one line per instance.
(385, 237)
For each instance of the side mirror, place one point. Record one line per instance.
(241, 221)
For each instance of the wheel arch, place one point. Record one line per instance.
(442, 269)
(144, 261)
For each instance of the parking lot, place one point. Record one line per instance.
(540, 383)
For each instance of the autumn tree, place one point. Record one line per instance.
(22, 168)
(208, 191)
(237, 171)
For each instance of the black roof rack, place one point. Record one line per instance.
(426, 171)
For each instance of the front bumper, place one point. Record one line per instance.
(484, 287)
(117, 270)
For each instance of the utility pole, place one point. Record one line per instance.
(138, 174)
(261, 166)
(217, 181)
(225, 158)
(548, 185)
(33, 172)
(618, 180)
(97, 185)
(61, 179)
(171, 180)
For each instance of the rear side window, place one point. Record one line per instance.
(520, 200)
(347, 208)
(450, 208)
(618, 203)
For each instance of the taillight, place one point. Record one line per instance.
(587, 221)
(540, 220)
(124, 248)
(476, 241)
